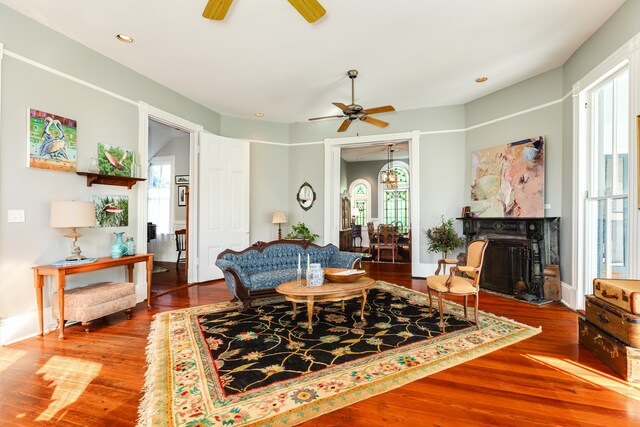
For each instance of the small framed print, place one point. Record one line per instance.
(182, 195)
(182, 179)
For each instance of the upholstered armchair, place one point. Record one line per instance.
(465, 284)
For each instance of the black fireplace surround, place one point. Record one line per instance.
(517, 252)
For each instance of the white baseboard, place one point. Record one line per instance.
(423, 270)
(569, 296)
(23, 326)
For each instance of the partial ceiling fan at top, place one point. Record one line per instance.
(354, 111)
(311, 10)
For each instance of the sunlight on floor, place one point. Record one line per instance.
(8, 356)
(586, 374)
(70, 377)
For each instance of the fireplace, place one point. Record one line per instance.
(517, 252)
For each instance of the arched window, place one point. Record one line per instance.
(360, 192)
(394, 202)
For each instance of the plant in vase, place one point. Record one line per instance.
(443, 238)
(300, 231)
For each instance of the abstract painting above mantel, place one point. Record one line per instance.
(508, 180)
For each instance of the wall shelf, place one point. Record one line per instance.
(96, 178)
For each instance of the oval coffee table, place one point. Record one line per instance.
(328, 292)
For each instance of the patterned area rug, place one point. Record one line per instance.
(214, 366)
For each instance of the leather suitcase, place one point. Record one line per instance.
(619, 292)
(622, 359)
(617, 322)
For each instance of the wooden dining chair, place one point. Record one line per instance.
(373, 238)
(181, 245)
(388, 240)
(464, 285)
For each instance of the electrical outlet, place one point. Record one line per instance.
(15, 215)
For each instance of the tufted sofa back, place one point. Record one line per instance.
(279, 255)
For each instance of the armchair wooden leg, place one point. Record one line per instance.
(476, 312)
(430, 303)
(466, 300)
(441, 324)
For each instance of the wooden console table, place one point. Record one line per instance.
(61, 272)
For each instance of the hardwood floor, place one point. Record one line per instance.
(95, 379)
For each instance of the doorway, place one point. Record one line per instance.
(333, 180)
(168, 174)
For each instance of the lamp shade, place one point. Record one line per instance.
(72, 214)
(279, 217)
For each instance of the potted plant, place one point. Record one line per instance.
(300, 231)
(443, 238)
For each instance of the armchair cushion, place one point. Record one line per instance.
(457, 285)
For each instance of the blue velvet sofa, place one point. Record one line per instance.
(257, 270)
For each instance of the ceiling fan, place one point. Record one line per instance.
(310, 10)
(354, 111)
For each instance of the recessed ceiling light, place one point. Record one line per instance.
(482, 79)
(259, 114)
(124, 38)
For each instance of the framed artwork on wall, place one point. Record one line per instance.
(52, 141)
(182, 195)
(111, 211)
(113, 160)
(508, 180)
(182, 179)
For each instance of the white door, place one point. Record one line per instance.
(223, 211)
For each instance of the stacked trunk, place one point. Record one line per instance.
(611, 326)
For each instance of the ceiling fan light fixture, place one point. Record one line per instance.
(124, 38)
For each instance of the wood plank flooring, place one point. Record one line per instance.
(95, 379)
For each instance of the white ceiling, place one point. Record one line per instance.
(378, 151)
(265, 57)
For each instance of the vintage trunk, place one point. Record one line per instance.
(622, 359)
(620, 292)
(622, 325)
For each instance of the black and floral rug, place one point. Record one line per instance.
(215, 366)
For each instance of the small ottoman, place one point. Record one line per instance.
(93, 301)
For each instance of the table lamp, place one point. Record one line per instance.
(279, 217)
(72, 214)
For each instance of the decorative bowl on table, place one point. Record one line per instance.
(343, 275)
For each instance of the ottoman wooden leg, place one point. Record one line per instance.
(128, 312)
(87, 326)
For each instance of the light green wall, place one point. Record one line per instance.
(100, 118)
(369, 172)
(179, 149)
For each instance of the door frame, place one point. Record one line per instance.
(146, 112)
(332, 221)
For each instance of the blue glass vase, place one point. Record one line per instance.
(118, 248)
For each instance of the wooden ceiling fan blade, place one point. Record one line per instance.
(310, 10)
(374, 121)
(341, 106)
(216, 9)
(344, 126)
(327, 117)
(378, 110)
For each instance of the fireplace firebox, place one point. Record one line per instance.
(517, 252)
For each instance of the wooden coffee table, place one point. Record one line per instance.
(329, 292)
